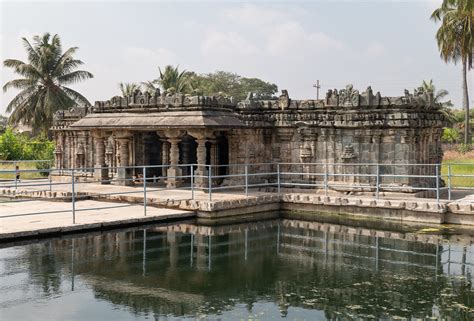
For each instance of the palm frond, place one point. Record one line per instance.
(18, 84)
(77, 97)
(20, 98)
(74, 77)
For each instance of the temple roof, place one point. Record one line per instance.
(156, 120)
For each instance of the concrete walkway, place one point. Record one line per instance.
(89, 215)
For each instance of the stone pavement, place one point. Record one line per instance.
(89, 215)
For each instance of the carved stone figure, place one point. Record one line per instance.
(349, 97)
(284, 100)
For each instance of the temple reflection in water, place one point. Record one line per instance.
(286, 265)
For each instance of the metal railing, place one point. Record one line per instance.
(374, 179)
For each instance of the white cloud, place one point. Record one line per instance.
(162, 56)
(291, 37)
(232, 43)
(267, 31)
(375, 50)
(254, 16)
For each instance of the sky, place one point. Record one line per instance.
(388, 45)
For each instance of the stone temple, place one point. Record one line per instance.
(347, 130)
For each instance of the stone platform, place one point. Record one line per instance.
(90, 215)
(224, 207)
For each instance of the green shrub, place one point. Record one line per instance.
(450, 135)
(10, 146)
(21, 147)
(44, 166)
(464, 148)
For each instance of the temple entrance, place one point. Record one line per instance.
(187, 154)
(152, 147)
(223, 154)
(218, 154)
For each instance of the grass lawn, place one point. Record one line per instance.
(463, 164)
(23, 166)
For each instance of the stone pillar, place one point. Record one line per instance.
(174, 170)
(101, 171)
(58, 155)
(406, 141)
(376, 140)
(201, 171)
(124, 174)
(213, 156)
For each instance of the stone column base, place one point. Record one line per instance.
(102, 174)
(173, 181)
(201, 182)
(124, 177)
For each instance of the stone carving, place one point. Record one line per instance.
(332, 97)
(284, 100)
(349, 97)
(348, 153)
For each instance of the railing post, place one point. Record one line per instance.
(246, 181)
(209, 178)
(449, 181)
(16, 175)
(73, 197)
(50, 183)
(326, 179)
(437, 182)
(377, 181)
(15, 172)
(278, 179)
(144, 190)
(191, 168)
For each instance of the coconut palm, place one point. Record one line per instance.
(128, 88)
(438, 95)
(43, 86)
(149, 86)
(455, 39)
(172, 79)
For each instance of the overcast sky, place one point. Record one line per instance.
(389, 45)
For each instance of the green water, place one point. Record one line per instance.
(282, 269)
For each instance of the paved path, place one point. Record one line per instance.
(89, 215)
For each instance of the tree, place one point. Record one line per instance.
(43, 88)
(3, 123)
(450, 135)
(455, 39)
(149, 86)
(173, 80)
(438, 95)
(231, 84)
(127, 88)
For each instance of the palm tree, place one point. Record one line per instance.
(438, 95)
(172, 79)
(149, 86)
(455, 39)
(128, 88)
(42, 87)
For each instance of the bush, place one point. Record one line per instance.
(44, 166)
(464, 148)
(21, 147)
(10, 146)
(450, 135)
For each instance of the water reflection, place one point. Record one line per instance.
(281, 268)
